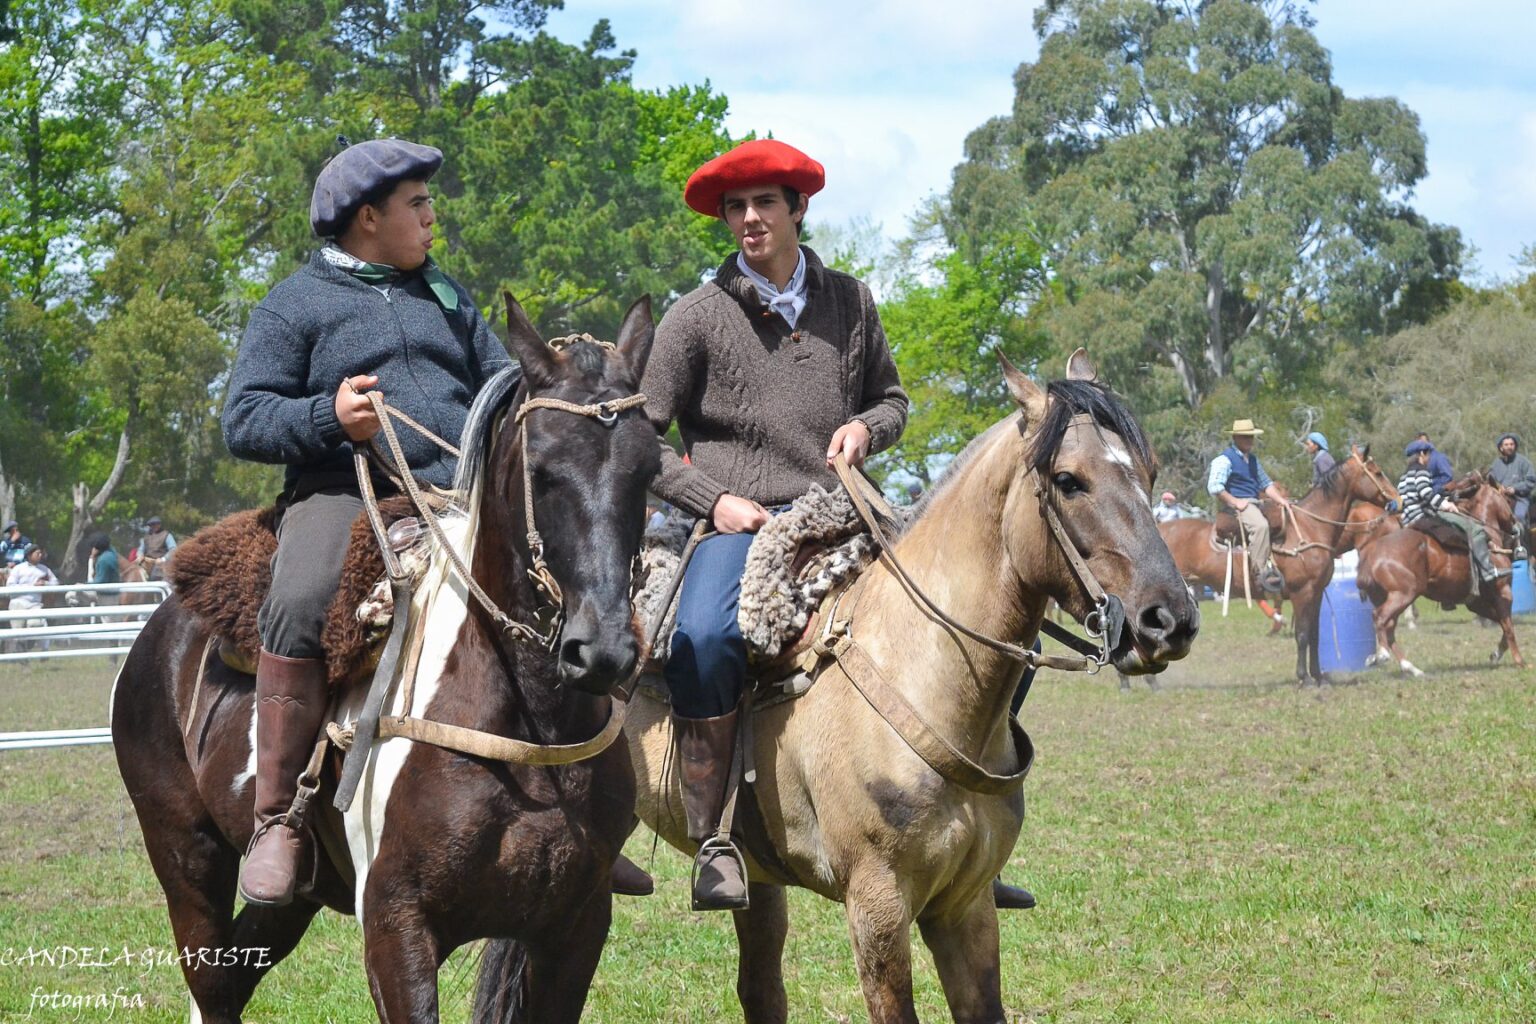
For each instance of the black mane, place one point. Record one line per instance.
(1071, 398)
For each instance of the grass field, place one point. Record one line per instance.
(1229, 848)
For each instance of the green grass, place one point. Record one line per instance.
(1229, 848)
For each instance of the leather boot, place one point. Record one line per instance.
(291, 701)
(1011, 897)
(706, 747)
(630, 879)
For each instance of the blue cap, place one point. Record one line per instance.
(361, 169)
(1414, 447)
(1318, 439)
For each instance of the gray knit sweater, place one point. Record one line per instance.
(756, 403)
(320, 326)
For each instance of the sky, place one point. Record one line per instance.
(884, 92)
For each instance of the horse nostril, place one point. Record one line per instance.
(1157, 622)
(573, 653)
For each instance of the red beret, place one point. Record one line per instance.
(759, 162)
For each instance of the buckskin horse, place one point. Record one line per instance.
(1050, 502)
(1400, 566)
(438, 849)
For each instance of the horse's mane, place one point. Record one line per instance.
(479, 428)
(1070, 398)
(1086, 397)
(1329, 483)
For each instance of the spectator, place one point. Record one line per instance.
(104, 567)
(155, 548)
(31, 573)
(1167, 508)
(1516, 477)
(1322, 461)
(13, 545)
(1440, 471)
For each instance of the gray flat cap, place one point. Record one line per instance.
(358, 170)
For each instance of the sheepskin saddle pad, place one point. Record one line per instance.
(223, 572)
(795, 561)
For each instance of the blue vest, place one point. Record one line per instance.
(1243, 481)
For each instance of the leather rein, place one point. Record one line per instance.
(371, 725)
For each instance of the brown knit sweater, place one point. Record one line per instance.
(757, 404)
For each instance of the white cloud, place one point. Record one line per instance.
(884, 92)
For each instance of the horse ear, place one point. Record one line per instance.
(539, 362)
(1365, 451)
(1080, 367)
(636, 334)
(1024, 391)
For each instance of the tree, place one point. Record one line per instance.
(949, 316)
(1213, 206)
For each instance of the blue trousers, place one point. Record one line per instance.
(707, 668)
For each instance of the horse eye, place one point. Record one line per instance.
(1067, 483)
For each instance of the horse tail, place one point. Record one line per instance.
(502, 987)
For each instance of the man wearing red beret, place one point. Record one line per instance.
(769, 370)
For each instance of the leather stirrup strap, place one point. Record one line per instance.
(914, 730)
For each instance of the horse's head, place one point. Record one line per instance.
(1485, 500)
(1367, 481)
(589, 458)
(1085, 456)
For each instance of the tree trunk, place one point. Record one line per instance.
(1215, 342)
(87, 508)
(7, 497)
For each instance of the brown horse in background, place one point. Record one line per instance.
(1402, 565)
(1202, 561)
(1317, 525)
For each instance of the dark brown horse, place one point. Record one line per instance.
(1305, 557)
(1399, 567)
(438, 849)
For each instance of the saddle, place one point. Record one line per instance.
(796, 563)
(1228, 530)
(1444, 534)
(223, 572)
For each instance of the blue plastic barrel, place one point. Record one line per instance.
(1347, 635)
(1522, 590)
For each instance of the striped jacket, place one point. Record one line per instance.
(1418, 492)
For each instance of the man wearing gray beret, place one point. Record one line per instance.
(369, 311)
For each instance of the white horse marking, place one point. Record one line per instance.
(440, 608)
(250, 762)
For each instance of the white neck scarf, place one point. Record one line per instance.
(787, 303)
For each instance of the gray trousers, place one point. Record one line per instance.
(312, 538)
(1477, 543)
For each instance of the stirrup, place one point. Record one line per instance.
(715, 846)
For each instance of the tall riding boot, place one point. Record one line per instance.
(291, 701)
(1011, 897)
(706, 749)
(630, 879)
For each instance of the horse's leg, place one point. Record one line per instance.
(1395, 604)
(1314, 650)
(760, 932)
(965, 951)
(560, 973)
(1507, 641)
(878, 923)
(402, 955)
(1306, 635)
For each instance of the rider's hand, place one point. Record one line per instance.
(1448, 506)
(738, 515)
(852, 439)
(354, 411)
(1238, 504)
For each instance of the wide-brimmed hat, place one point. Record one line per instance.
(759, 162)
(1245, 427)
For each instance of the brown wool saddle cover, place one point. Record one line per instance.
(1227, 530)
(1446, 535)
(223, 572)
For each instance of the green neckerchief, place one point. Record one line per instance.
(381, 273)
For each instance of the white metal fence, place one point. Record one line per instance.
(78, 630)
